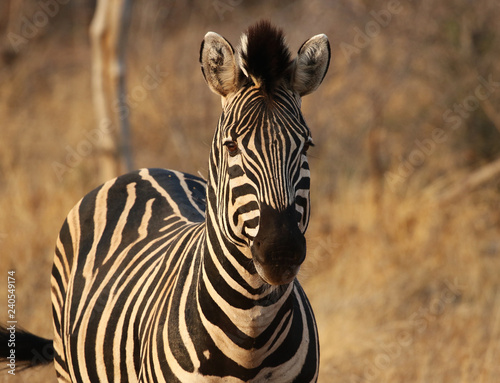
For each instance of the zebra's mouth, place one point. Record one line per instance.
(276, 274)
(279, 248)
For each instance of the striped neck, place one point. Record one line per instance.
(240, 309)
(229, 262)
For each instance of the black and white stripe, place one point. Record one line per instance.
(161, 276)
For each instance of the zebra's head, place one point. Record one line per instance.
(259, 174)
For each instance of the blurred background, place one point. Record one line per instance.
(403, 266)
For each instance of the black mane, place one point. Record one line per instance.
(265, 56)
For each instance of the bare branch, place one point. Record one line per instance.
(471, 182)
(491, 112)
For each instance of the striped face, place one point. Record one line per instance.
(259, 175)
(263, 178)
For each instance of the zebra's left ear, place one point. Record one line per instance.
(218, 64)
(311, 65)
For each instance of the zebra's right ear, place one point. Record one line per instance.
(218, 64)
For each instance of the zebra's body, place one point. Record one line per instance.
(117, 325)
(160, 276)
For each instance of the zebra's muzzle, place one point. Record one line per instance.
(279, 247)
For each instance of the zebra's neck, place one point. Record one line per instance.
(230, 278)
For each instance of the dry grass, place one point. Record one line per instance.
(404, 290)
(408, 293)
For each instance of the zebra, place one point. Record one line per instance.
(162, 276)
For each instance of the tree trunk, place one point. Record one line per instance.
(108, 35)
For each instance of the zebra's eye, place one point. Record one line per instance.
(232, 147)
(306, 146)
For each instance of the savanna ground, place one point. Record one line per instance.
(403, 266)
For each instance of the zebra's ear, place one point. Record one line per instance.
(311, 65)
(218, 64)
